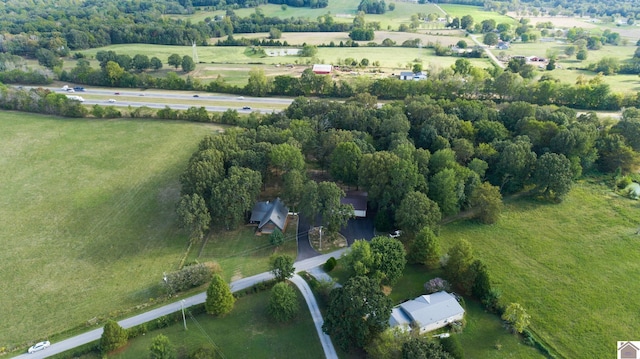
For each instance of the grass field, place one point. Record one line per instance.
(247, 332)
(568, 72)
(572, 266)
(478, 13)
(88, 223)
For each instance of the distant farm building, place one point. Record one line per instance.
(320, 69)
(270, 215)
(408, 75)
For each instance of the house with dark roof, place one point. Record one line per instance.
(358, 200)
(427, 312)
(270, 215)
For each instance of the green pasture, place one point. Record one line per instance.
(88, 222)
(571, 265)
(477, 12)
(241, 253)
(342, 11)
(246, 332)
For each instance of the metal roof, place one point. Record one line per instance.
(265, 212)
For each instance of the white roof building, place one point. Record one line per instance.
(428, 312)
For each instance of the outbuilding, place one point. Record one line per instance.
(428, 312)
(321, 69)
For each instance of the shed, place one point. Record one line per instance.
(358, 200)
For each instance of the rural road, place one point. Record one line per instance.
(325, 340)
(237, 285)
(488, 52)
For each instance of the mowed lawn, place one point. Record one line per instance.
(87, 221)
(573, 266)
(246, 332)
(478, 13)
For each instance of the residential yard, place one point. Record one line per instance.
(246, 332)
(88, 222)
(571, 265)
(241, 253)
(483, 331)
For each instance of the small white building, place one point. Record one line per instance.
(428, 312)
(408, 75)
(322, 69)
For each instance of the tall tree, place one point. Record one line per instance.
(286, 157)
(293, 188)
(194, 215)
(345, 161)
(188, 64)
(425, 249)
(387, 178)
(174, 60)
(334, 214)
(517, 316)
(234, 196)
(486, 202)
(357, 313)
(309, 203)
(113, 337)
(460, 259)
(259, 84)
(283, 302)
(389, 258)
(282, 267)
(423, 348)
(417, 211)
(219, 298)
(359, 260)
(446, 190)
(553, 176)
(161, 348)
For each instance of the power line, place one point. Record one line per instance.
(215, 347)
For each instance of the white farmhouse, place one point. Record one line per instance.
(428, 312)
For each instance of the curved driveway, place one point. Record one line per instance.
(325, 340)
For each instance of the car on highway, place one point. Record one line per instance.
(79, 88)
(117, 93)
(196, 95)
(246, 108)
(111, 100)
(39, 346)
(240, 97)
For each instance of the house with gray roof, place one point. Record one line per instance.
(427, 312)
(270, 215)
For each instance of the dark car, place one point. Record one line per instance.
(246, 108)
(117, 93)
(196, 95)
(79, 88)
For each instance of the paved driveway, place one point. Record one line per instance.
(358, 228)
(305, 251)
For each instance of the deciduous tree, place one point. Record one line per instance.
(345, 161)
(174, 60)
(517, 316)
(194, 215)
(425, 249)
(486, 202)
(161, 348)
(282, 267)
(417, 211)
(553, 176)
(283, 302)
(357, 313)
(389, 259)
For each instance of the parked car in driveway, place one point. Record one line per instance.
(39, 346)
(395, 234)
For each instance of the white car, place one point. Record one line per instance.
(39, 346)
(111, 100)
(395, 234)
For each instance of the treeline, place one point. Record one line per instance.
(225, 4)
(462, 80)
(589, 8)
(64, 27)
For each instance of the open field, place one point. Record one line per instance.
(342, 11)
(568, 72)
(88, 222)
(572, 266)
(477, 12)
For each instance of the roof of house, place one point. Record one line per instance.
(426, 309)
(406, 73)
(322, 68)
(357, 199)
(265, 212)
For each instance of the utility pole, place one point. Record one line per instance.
(183, 317)
(320, 246)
